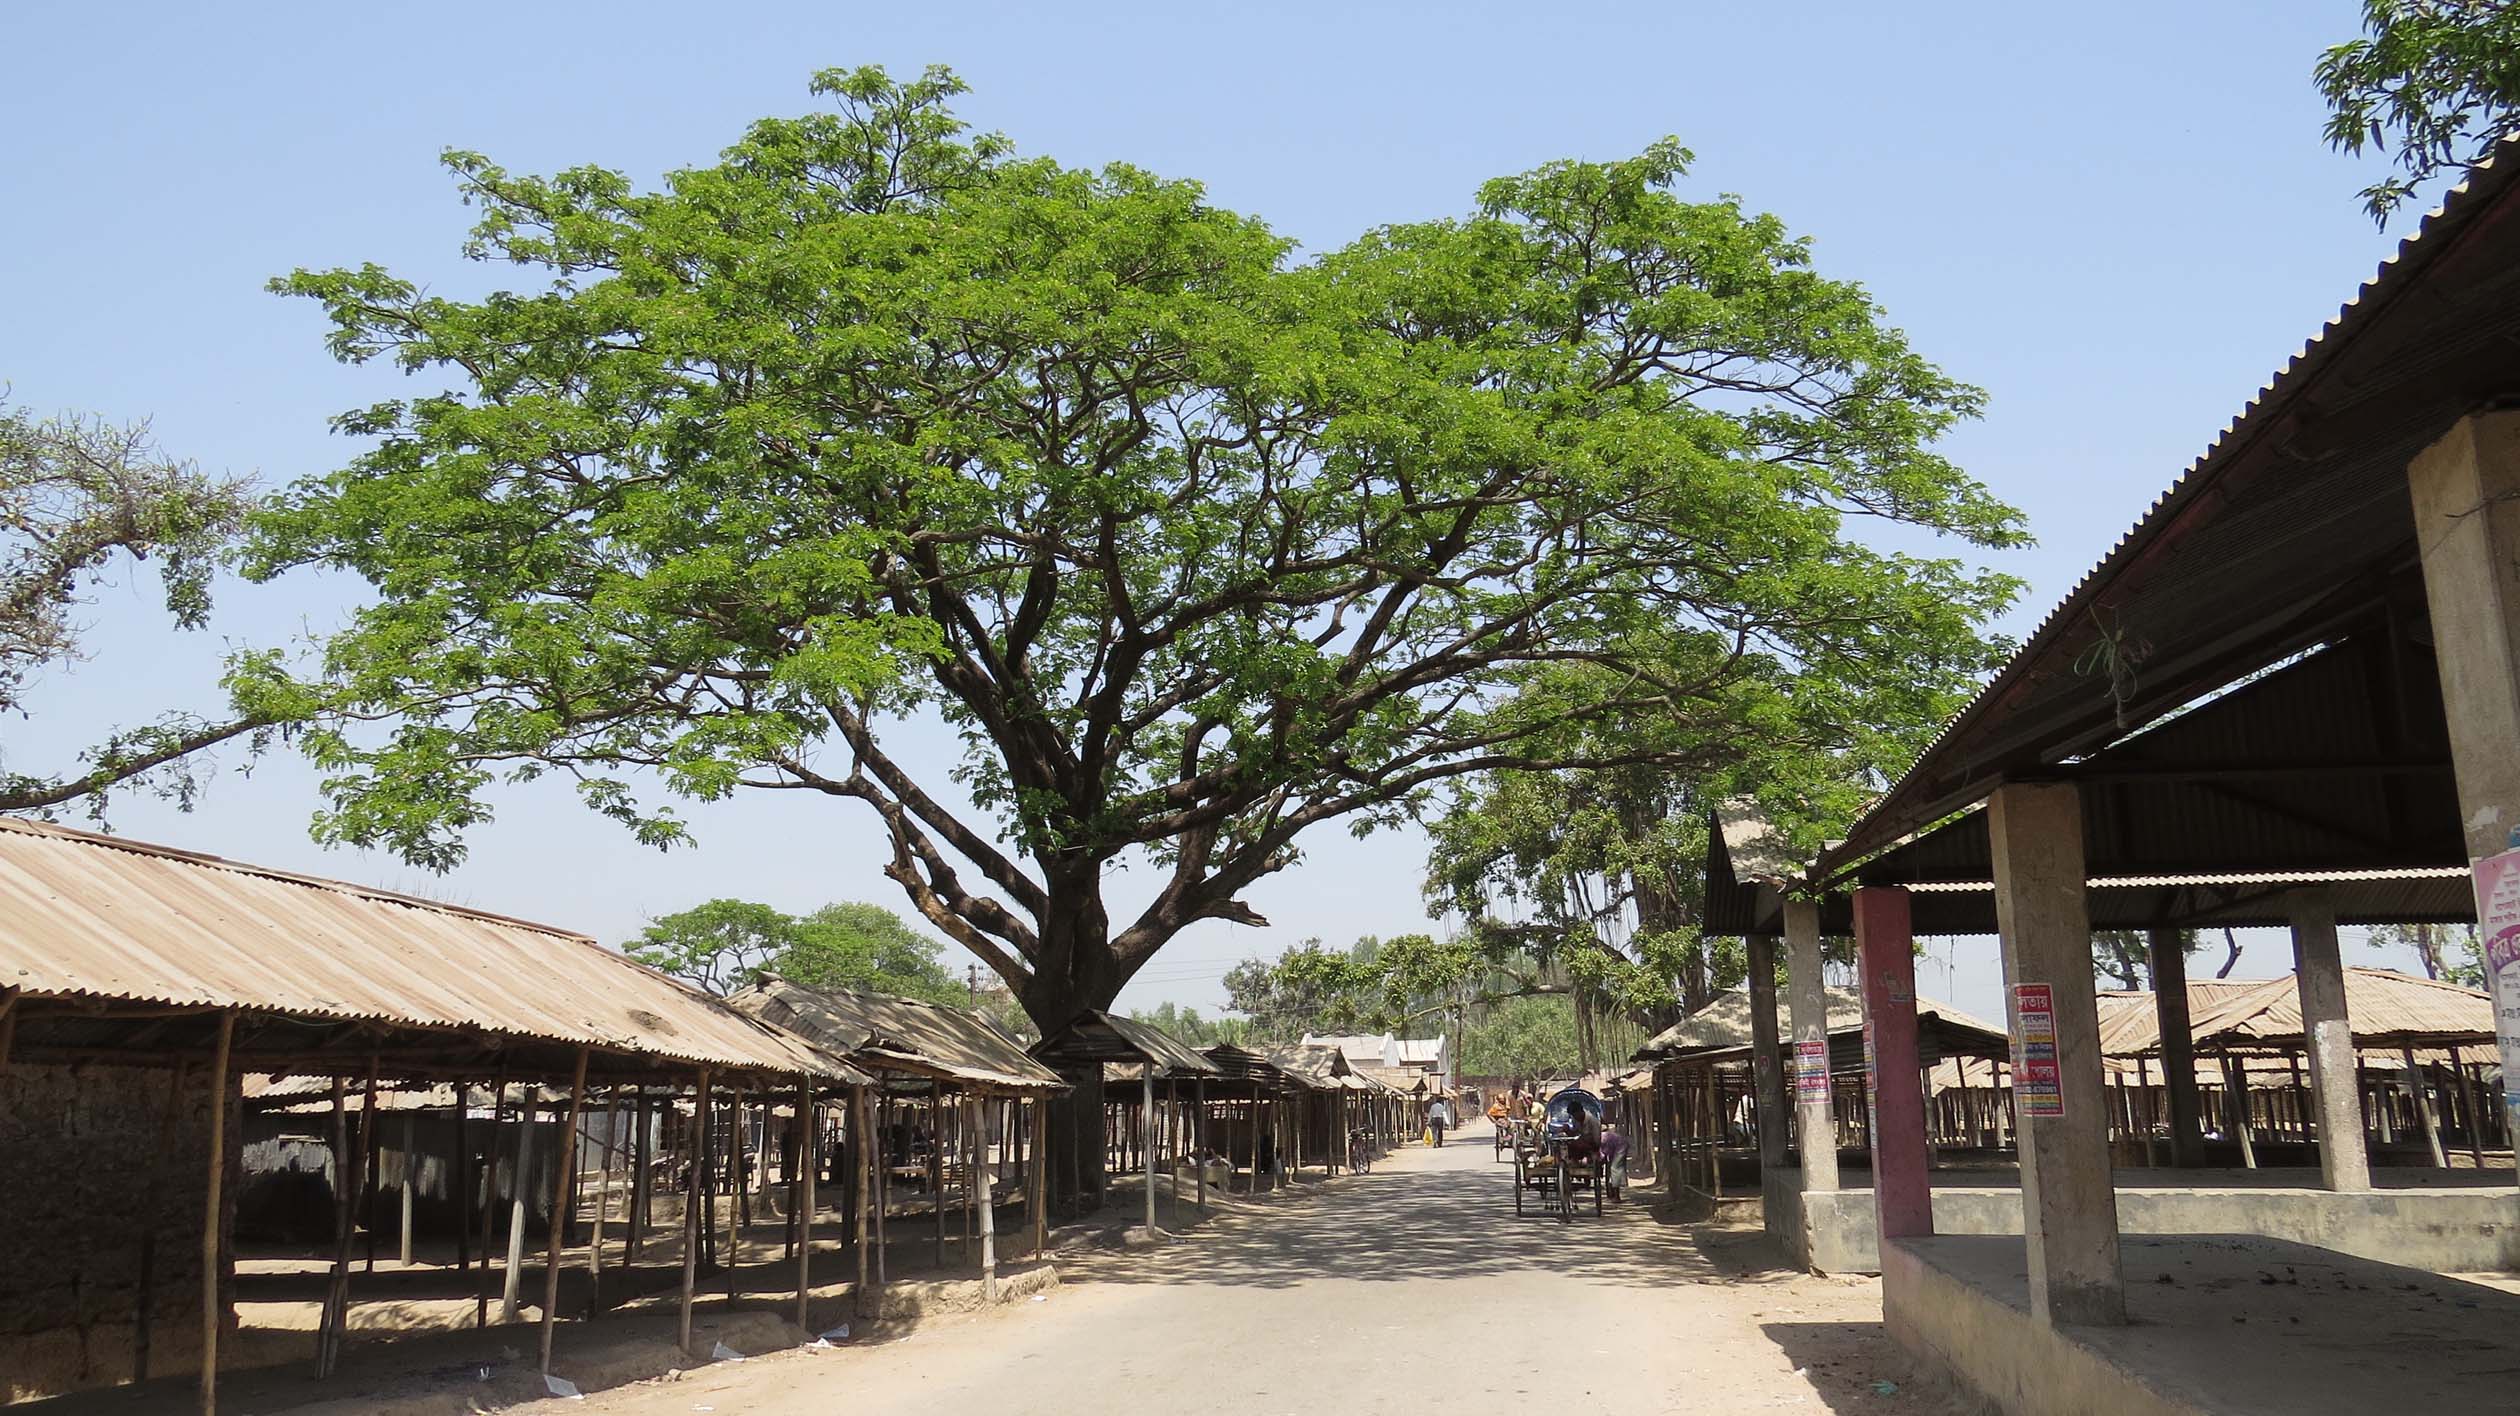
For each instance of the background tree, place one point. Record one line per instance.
(2438, 81)
(723, 945)
(1196, 548)
(1187, 1025)
(81, 498)
(2447, 952)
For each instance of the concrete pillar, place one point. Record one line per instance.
(2320, 975)
(2466, 493)
(2178, 1046)
(1885, 948)
(1767, 1062)
(1815, 1120)
(2069, 1207)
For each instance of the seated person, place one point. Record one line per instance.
(1585, 1144)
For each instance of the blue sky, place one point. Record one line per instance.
(2119, 220)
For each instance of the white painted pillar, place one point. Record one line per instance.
(2319, 973)
(2069, 1205)
(1808, 997)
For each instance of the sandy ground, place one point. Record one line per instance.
(1411, 1289)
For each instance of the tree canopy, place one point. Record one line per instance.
(723, 945)
(2438, 81)
(1196, 546)
(80, 498)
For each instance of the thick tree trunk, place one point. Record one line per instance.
(1078, 971)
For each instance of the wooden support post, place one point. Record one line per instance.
(345, 1182)
(808, 1164)
(695, 1186)
(634, 1240)
(489, 1199)
(1146, 1130)
(371, 1143)
(2143, 1088)
(986, 1201)
(2236, 1098)
(862, 1186)
(564, 1164)
(213, 1209)
(1198, 1138)
(738, 1177)
(883, 1189)
(2467, 1103)
(1037, 1188)
(2424, 1109)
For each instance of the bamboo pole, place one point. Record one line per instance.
(564, 1166)
(489, 1200)
(808, 1162)
(883, 1188)
(212, 1212)
(693, 1189)
(1198, 1138)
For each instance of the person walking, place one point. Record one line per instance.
(1438, 1117)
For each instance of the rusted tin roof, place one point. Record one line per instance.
(2386, 1009)
(887, 1033)
(1104, 1037)
(108, 921)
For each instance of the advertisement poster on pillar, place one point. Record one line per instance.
(2498, 926)
(2038, 1082)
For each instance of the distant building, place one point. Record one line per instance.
(1429, 1057)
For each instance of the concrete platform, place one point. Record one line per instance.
(2449, 1221)
(2227, 1324)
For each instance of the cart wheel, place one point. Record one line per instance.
(1565, 1190)
(1518, 1186)
(1596, 1189)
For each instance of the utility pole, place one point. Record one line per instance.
(972, 973)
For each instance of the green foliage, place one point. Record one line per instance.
(2447, 951)
(2123, 957)
(1186, 1025)
(1196, 547)
(2437, 80)
(724, 944)
(1522, 1037)
(79, 498)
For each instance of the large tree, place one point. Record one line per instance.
(83, 499)
(2436, 80)
(1195, 546)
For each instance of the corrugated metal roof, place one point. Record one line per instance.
(888, 1033)
(99, 917)
(2130, 1022)
(2295, 521)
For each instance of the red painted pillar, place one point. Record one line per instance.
(1885, 947)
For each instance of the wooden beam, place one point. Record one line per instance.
(563, 1184)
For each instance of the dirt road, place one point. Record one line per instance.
(1410, 1289)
